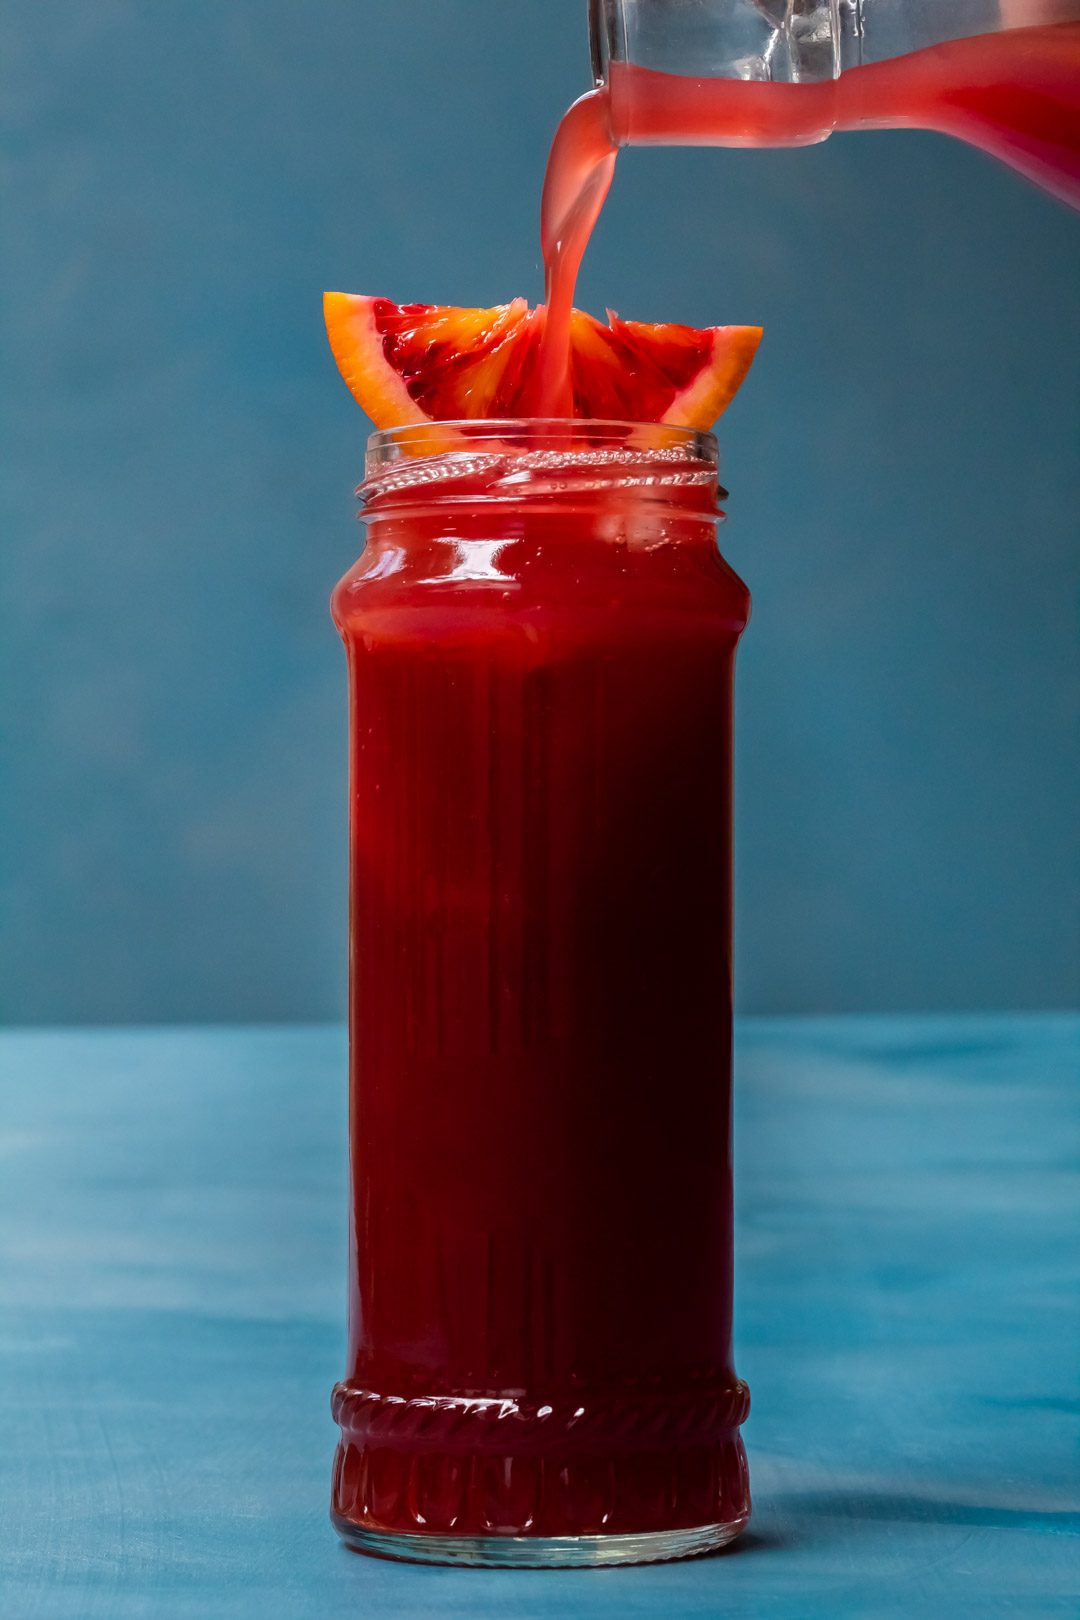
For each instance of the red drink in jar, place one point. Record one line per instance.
(541, 635)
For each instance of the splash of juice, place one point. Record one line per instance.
(1014, 94)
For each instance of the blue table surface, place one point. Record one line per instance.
(172, 1218)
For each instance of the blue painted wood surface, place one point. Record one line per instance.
(172, 1216)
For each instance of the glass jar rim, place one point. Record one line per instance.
(501, 451)
(539, 432)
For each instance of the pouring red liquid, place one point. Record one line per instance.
(1015, 95)
(541, 637)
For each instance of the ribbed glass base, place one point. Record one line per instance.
(540, 1552)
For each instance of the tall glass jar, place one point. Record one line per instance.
(540, 634)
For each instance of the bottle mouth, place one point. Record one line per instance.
(538, 456)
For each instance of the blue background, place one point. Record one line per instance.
(184, 178)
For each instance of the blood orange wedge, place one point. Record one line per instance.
(432, 362)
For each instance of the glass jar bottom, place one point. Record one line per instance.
(541, 1552)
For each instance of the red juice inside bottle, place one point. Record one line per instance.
(1014, 94)
(540, 664)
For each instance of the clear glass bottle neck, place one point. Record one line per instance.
(793, 41)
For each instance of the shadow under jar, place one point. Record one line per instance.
(541, 635)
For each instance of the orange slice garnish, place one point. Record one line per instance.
(433, 362)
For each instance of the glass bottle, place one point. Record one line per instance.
(1003, 75)
(540, 634)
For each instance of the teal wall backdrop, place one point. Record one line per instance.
(183, 179)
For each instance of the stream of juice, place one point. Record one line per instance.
(1015, 94)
